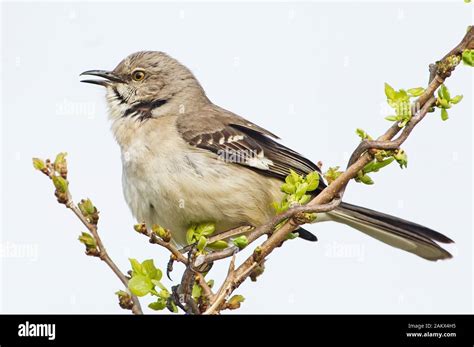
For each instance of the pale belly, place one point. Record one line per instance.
(176, 189)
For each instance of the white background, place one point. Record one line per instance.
(310, 72)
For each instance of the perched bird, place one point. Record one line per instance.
(175, 145)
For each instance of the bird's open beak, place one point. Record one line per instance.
(107, 75)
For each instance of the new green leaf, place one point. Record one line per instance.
(444, 114)
(150, 270)
(140, 285)
(468, 57)
(241, 241)
(38, 164)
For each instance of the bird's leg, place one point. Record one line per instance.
(187, 248)
(169, 267)
(204, 268)
(176, 298)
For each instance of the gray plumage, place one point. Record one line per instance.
(186, 160)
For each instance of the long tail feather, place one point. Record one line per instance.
(396, 232)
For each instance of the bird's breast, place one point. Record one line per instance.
(168, 182)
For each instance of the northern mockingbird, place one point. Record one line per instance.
(173, 139)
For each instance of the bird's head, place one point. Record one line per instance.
(145, 81)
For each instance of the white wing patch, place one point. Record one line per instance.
(259, 162)
(233, 146)
(235, 138)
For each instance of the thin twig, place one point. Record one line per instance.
(230, 233)
(103, 255)
(68, 201)
(168, 245)
(206, 289)
(223, 292)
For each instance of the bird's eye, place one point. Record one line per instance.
(138, 75)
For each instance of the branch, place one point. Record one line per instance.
(267, 228)
(163, 242)
(330, 197)
(224, 291)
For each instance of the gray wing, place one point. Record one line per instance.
(239, 141)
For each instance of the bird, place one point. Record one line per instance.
(173, 141)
